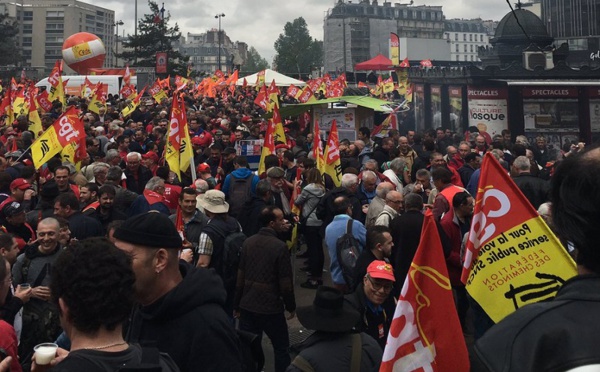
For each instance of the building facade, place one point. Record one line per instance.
(203, 50)
(357, 31)
(465, 38)
(576, 22)
(45, 24)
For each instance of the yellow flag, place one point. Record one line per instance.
(333, 166)
(57, 90)
(279, 135)
(66, 129)
(178, 149)
(35, 123)
(131, 106)
(19, 106)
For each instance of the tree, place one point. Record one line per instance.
(154, 35)
(9, 53)
(297, 51)
(254, 62)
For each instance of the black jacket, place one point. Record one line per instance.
(190, 324)
(369, 321)
(535, 189)
(558, 335)
(248, 216)
(83, 226)
(137, 185)
(325, 210)
(333, 352)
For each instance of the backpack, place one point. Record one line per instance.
(232, 251)
(347, 250)
(240, 191)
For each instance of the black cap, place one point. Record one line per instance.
(150, 229)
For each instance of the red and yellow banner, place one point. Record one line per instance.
(178, 149)
(512, 257)
(268, 146)
(66, 129)
(425, 334)
(333, 165)
(131, 106)
(394, 49)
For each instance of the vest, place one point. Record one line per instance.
(449, 193)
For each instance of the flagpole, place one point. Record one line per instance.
(25, 151)
(193, 171)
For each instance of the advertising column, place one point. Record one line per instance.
(488, 109)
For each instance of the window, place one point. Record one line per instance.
(27, 41)
(471, 48)
(456, 36)
(464, 37)
(470, 37)
(55, 26)
(465, 48)
(472, 58)
(457, 57)
(465, 57)
(28, 16)
(457, 48)
(480, 37)
(55, 14)
(27, 29)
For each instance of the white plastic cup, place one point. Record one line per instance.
(44, 353)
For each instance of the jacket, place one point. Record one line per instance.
(138, 184)
(190, 324)
(265, 279)
(309, 199)
(557, 335)
(335, 230)
(374, 320)
(535, 189)
(333, 352)
(83, 226)
(451, 227)
(247, 218)
(240, 173)
(193, 228)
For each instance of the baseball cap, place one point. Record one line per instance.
(381, 270)
(203, 168)
(204, 139)
(20, 183)
(12, 209)
(150, 155)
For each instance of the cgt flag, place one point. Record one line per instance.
(66, 129)
(425, 334)
(178, 149)
(318, 148)
(394, 49)
(333, 165)
(268, 146)
(512, 258)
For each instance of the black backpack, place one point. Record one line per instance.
(240, 191)
(232, 250)
(347, 250)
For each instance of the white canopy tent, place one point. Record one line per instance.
(270, 75)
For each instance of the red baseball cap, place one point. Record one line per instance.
(381, 270)
(204, 139)
(203, 168)
(20, 183)
(151, 155)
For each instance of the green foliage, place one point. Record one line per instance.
(254, 62)
(155, 37)
(297, 51)
(9, 53)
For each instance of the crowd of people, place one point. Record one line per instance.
(124, 264)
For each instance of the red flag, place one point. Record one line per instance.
(127, 76)
(262, 98)
(405, 63)
(219, 74)
(43, 101)
(293, 91)
(245, 83)
(362, 85)
(425, 334)
(179, 225)
(426, 63)
(307, 95)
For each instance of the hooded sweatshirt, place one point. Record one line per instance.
(190, 324)
(239, 173)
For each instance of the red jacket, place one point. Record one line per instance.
(453, 261)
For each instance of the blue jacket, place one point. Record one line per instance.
(333, 232)
(239, 173)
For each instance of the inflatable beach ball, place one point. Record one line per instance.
(83, 51)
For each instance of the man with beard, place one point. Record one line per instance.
(88, 198)
(106, 213)
(193, 220)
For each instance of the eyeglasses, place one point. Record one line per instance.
(378, 286)
(396, 201)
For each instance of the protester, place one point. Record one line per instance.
(180, 308)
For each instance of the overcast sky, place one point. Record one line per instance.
(259, 22)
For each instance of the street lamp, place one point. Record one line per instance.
(117, 24)
(219, 16)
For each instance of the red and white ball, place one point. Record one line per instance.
(83, 51)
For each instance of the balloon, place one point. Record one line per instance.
(83, 51)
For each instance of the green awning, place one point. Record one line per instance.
(368, 102)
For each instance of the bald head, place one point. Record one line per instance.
(383, 188)
(394, 200)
